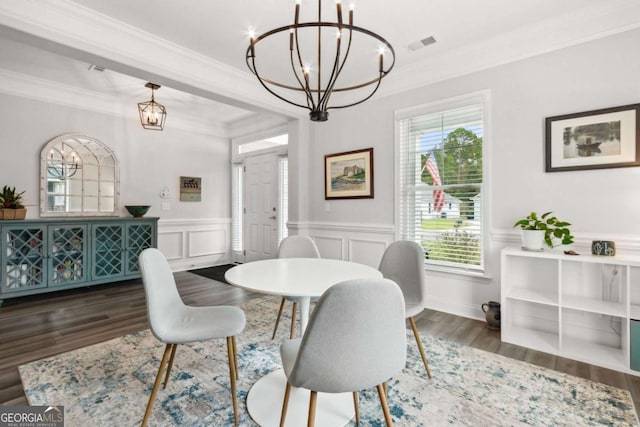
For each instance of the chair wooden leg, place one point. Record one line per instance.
(278, 319)
(385, 407)
(285, 403)
(386, 388)
(312, 409)
(232, 378)
(156, 384)
(293, 320)
(356, 407)
(424, 356)
(173, 355)
(235, 355)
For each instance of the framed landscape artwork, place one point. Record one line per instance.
(349, 175)
(607, 138)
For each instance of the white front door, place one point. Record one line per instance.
(261, 201)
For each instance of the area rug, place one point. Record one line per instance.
(108, 384)
(215, 273)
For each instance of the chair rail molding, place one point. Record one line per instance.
(195, 243)
(624, 242)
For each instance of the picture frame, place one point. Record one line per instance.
(190, 189)
(349, 175)
(598, 139)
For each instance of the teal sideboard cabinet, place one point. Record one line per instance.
(47, 255)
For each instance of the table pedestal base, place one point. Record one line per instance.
(264, 403)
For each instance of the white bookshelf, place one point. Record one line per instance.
(581, 307)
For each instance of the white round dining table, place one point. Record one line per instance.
(303, 278)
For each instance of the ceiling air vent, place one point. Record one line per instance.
(422, 43)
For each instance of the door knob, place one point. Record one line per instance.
(272, 217)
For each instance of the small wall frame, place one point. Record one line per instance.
(190, 189)
(349, 175)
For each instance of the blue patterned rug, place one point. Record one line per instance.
(108, 384)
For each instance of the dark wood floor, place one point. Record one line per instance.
(40, 326)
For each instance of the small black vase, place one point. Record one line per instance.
(492, 314)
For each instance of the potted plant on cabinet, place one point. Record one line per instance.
(536, 230)
(11, 206)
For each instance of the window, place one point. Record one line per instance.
(441, 181)
(283, 196)
(237, 208)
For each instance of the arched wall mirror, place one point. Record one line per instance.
(79, 176)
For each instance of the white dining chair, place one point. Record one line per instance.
(172, 322)
(355, 340)
(403, 262)
(294, 247)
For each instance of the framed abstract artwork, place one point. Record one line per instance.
(599, 139)
(349, 175)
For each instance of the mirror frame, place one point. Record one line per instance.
(77, 139)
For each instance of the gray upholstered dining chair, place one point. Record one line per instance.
(172, 322)
(403, 262)
(355, 340)
(294, 247)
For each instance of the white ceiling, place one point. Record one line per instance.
(470, 35)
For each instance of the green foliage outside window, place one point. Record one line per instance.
(454, 246)
(459, 161)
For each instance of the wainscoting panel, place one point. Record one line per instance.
(195, 243)
(329, 247)
(367, 251)
(171, 244)
(206, 242)
(353, 242)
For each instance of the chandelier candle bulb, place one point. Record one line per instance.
(339, 9)
(351, 13)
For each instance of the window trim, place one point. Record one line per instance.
(479, 97)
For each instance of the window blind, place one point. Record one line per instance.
(237, 208)
(283, 217)
(441, 185)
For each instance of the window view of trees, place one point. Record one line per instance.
(459, 162)
(441, 183)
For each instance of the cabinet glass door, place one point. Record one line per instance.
(139, 238)
(108, 244)
(68, 259)
(24, 252)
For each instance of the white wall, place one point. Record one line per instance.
(149, 161)
(599, 203)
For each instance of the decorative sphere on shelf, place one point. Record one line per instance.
(137, 211)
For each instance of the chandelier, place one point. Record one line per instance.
(63, 166)
(309, 85)
(152, 114)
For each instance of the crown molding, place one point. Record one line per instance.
(100, 39)
(37, 89)
(97, 38)
(557, 32)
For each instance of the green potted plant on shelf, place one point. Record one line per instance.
(11, 206)
(538, 230)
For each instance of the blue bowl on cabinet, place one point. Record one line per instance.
(137, 211)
